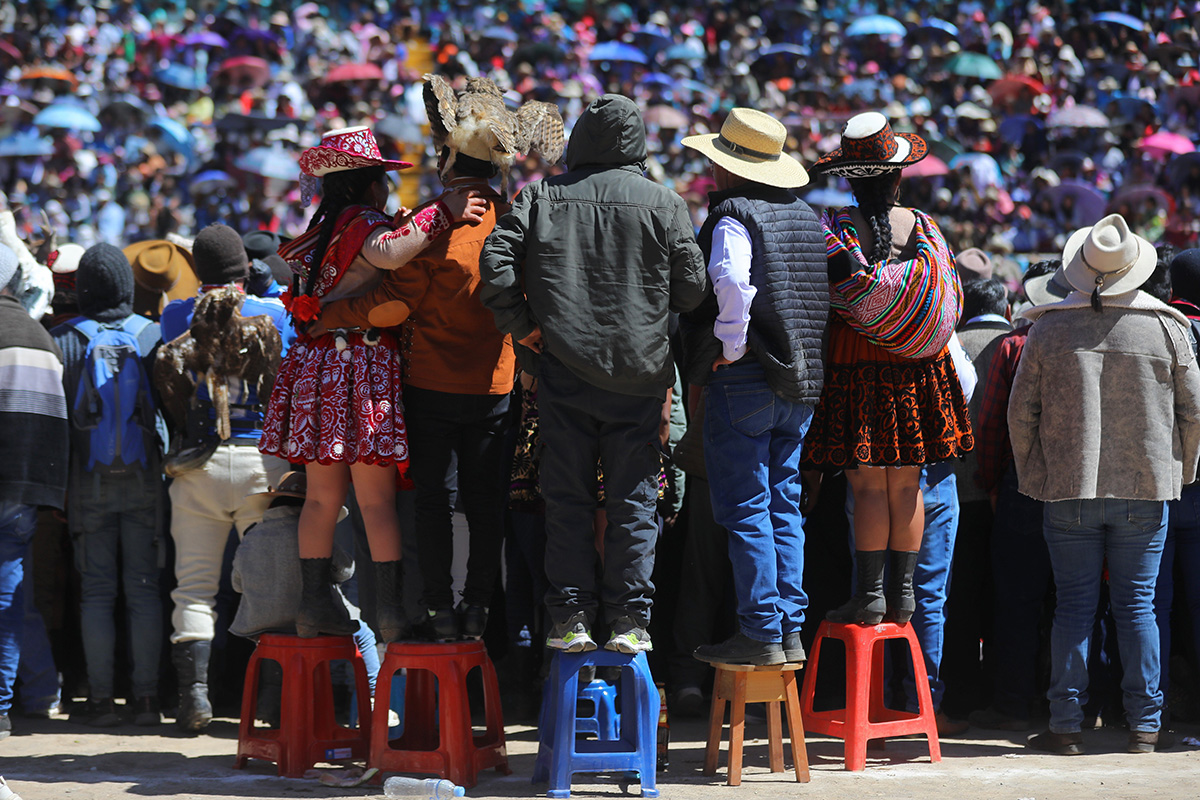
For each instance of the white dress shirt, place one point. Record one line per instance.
(729, 271)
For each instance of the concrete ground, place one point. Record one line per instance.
(54, 759)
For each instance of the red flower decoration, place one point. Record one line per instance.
(304, 308)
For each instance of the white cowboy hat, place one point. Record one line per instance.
(1046, 289)
(1107, 258)
(750, 145)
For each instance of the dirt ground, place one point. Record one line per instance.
(54, 759)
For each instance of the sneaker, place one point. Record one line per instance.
(994, 720)
(1148, 741)
(628, 637)
(473, 620)
(741, 649)
(1063, 744)
(5, 726)
(441, 624)
(97, 713)
(146, 712)
(571, 636)
(793, 651)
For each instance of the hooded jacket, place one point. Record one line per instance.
(597, 258)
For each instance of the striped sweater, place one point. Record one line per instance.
(33, 411)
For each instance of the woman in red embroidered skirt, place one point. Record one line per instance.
(892, 401)
(336, 405)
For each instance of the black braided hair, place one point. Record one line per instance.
(338, 191)
(875, 196)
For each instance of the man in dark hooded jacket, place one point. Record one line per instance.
(584, 273)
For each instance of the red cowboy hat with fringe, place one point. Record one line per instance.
(346, 149)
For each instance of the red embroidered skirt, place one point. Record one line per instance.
(879, 409)
(338, 406)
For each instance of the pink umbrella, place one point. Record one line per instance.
(1165, 143)
(928, 167)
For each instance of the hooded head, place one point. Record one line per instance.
(610, 133)
(104, 284)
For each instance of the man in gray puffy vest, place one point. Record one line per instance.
(756, 346)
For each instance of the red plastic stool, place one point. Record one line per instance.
(865, 717)
(307, 732)
(437, 716)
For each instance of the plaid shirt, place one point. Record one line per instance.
(991, 436)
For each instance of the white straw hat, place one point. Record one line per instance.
(1107, 258)
(750, 145)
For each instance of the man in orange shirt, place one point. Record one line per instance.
(458, 376)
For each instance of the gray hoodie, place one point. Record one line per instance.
(597, 257)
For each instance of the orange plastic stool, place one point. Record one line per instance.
(437, 716)
(740, 684)
(865, 717)
(307, 732)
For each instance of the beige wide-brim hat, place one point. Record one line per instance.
(292, 484)
(1046, 289)
(750, 145)
(1108, 258)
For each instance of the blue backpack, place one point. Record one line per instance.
(113, 414)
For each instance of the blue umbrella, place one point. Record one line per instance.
(875, 25)
(617, 51)
(659, 79)
(499, 33)
(1124, 20)
(179, 76)
(211, 180)
(269, 162)
(688, 51)
(173, 134)
(206, 39)
(940, 25)
(1012, 129)
(780, 51)
(67, 116)
(25, 143)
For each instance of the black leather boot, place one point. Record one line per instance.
(389, 601)
(867, 606)
(191, 669)
(901, 601)
(321, 611)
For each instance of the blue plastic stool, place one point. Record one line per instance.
(604, 720)
(561, 754)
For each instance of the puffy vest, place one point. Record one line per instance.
(790, 308)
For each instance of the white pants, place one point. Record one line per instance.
(205, 504)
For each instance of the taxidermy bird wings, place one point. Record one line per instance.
(540, 130)
(220, 346)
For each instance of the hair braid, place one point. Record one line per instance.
(339, 190)
(875, 196)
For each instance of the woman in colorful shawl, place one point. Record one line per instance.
(336, 405)
(892, 401)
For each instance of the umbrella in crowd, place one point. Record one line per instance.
(209, 181)
(1184, 169)
(1165, 143)
(974, 65)
(63, 79)
(179, 76)
(206, 39)
(1088, 203)
(67, 116)
(666, 117)
(269, 162)
(1119, 18)
(1012, 86)
(1133, 195)
(246, 71)
(25, 144)
(875, 25)
(1077, 117)
(347, 73)
(941, 25)
(618, 51)
(984, 169)
(929, 167)
(173, 134)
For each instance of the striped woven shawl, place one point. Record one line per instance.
(907, 307)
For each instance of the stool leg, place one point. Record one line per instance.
(857, 707)
(737, 728)
(924, 695)
(457, 744)
(810, 673)
(249, 707)
(775, 737)
(564, 733)
(647, 709)
(716, 721)
(796, 726)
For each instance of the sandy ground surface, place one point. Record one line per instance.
(54, 759)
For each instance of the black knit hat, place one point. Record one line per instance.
(220, 256)
(104, 284)
(1185, 275)
(260, 244)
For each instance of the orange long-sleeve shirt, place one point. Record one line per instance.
(455, 346)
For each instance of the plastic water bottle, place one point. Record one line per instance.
(425, 788)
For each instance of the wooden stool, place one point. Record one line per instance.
(740, 684)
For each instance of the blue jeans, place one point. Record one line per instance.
(39, 676)
(18, 521)
(1182, 548)
(117, 547)
(1079, 535)
(931, 578)
(752, 444)
(1022, 578)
